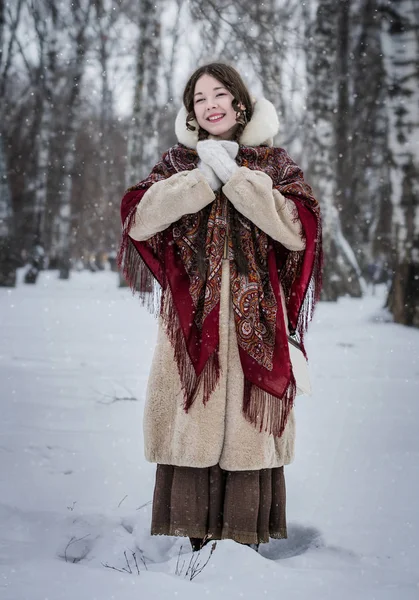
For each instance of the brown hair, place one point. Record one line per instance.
(233, 82)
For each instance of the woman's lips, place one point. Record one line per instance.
(215, 118)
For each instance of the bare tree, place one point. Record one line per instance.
(258, 35)
(68, 146)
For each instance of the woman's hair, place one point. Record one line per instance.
(233, 82)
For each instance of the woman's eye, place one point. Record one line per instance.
(221, 94)
(200, 100)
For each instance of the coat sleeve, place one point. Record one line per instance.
(166, 201)
(252, 194)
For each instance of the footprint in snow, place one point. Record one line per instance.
(300, 540)
(45, 455)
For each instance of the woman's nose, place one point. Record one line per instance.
(211, 104)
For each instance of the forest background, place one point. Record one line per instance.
(89, 91)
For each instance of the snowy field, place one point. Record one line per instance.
(76, 490)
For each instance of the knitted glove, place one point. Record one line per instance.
(216, 154)
(209, 175)
(231, 147)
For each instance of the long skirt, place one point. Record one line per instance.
(245, 506)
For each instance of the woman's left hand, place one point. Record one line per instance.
(219, 155)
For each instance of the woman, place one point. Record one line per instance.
(230, 231)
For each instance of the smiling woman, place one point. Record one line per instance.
(228, 228)
(213, 88)
(213, 108)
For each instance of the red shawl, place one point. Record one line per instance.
(190, 299)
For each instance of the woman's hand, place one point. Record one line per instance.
(209, 175)
(219, 155)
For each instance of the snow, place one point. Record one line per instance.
(76, 491)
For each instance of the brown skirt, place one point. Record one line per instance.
(245, 506)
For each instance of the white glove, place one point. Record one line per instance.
(217, 154)
(231, 147)
(209, 175)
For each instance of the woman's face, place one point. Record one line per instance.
(213, 107)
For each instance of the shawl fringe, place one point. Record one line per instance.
(266, 411)
(312, 295)
(192, 385)
(135, 271)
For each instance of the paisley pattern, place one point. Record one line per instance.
(254, 302)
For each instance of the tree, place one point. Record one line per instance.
(45, 16)
(143, 135)
(367, 210)
(9, 23)
(8, 259)
(401, 50)
(342, 274)
(60, 228)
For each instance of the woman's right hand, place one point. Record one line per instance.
(218, 154)
(210, 176)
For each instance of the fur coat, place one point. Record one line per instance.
(217, 432)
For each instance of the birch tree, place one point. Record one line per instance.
(342, 274)
(46, 25)
(80, 13)
(401, 49)
(45, 21)
(10, 19)
(143, 135)
(175, 33)
(104, 22)
(9, 23)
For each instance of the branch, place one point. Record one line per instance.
(13, 36)
(72, 541)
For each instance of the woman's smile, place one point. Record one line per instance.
(215, 118)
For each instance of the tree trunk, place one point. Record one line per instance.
(143, 137)
(342, 274)
(401, 49)
(167, 135)
(367, 211)
(8, 258)
(272, 25)
(63, 222)
(342, 126)
(46, 25)
(44, 138)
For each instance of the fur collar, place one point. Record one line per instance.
(261, 129)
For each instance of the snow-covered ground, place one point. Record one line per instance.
(76, 490)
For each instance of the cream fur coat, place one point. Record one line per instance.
(216, 433)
